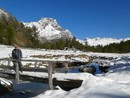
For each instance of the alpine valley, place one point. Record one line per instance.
(44, 30)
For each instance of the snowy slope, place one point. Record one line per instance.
(3, 13)
(49, 29)
(101, 41)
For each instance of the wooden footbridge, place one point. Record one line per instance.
(67, 84)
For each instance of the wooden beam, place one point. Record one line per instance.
(33, 69)
(9, 63)
(54, 61)
(66, 67)
(50, 80)
(17, 73)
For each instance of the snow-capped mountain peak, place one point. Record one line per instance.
(49, 29)
(101, 41)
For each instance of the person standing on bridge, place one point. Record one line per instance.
(17, 55)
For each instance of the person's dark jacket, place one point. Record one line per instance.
(16, 54)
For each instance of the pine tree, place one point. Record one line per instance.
(10, 35)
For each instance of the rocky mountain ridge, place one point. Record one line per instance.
(4, 15)
(49, 29)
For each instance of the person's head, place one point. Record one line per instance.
(16, 46)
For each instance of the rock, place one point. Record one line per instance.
(6, 86)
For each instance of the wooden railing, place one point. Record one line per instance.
(49, 62)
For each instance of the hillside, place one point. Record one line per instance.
(14, 32)
(34, 34)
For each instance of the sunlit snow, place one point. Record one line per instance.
(114, 84)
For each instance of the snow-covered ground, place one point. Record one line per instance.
(114, 84)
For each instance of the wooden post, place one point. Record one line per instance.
(17, 73)
(8, 62)
(50, 80)
(66, 67)
(35, 64)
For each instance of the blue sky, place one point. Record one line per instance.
(84, 18)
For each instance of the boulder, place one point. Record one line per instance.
(88, 69)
